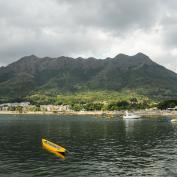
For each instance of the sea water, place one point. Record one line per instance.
(97, 146)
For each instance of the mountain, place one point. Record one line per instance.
(32, 74)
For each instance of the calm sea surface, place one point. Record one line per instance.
(98, 146)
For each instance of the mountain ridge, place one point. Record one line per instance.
(32, 74)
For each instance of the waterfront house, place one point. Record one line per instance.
(12, 106)
(52, 108)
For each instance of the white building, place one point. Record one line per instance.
(51, 108)
(6, 106)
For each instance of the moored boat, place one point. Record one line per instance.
(130, 116)
(173, 120)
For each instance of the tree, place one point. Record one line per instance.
(133, 100)
(19, 109)
(167, 104)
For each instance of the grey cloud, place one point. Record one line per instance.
(83, 28)
(117, 16)
(170, 31)
(168, 22)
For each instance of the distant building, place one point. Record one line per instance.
(4, 108)
(7, 106)
(51, 108)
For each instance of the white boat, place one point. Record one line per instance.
(130, 115)
(173, 120)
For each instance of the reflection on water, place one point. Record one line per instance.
(57, 154)
(97, 147)
(130, 125)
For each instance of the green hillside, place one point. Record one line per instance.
(57, 76)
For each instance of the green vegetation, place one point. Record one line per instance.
(99, 100)
(71, 79)
(19, 109)
(167, 104)
(119, 83)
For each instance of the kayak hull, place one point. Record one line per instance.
(54, 148)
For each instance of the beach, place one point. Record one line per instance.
(99, 113)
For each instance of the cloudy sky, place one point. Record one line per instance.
(97, 28)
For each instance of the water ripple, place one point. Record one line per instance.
(97, 147)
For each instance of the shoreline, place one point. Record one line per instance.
(96, 113)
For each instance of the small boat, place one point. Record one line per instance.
(130, 116)
(54, 148)
(173, 120)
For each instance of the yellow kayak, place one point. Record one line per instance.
(54, 148)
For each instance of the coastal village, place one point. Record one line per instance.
(27, 108)
(24, 107)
